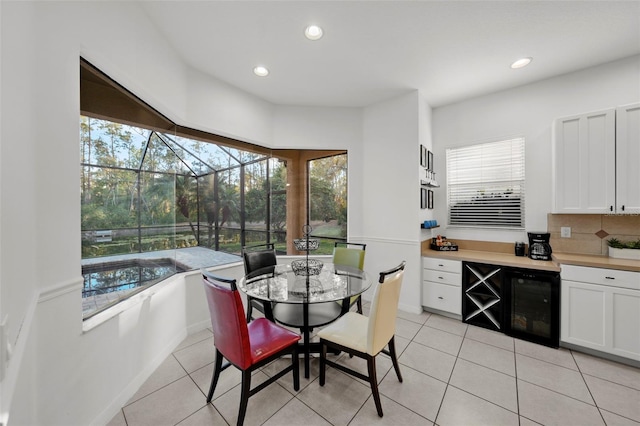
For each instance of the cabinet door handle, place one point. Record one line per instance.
(610, 208)
(623, 207)
(442, 278)
(610, 278)
(440, 297)
(440, 265)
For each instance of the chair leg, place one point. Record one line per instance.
(323, 358)
(249, 310)
(216, 374)
(296, 369)
(373, 381)
(244, 395)
(359, 305)
(394, 358)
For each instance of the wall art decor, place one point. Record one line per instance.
(423, 198)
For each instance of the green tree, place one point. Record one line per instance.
(322, 200)
(274, 190)
(328, 180)
(186, 200)
(279, 201)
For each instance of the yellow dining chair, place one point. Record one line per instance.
(350, 254)
(366, 337)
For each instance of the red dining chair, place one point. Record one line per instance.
(246, 346)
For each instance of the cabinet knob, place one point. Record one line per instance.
(610, 278)
(442, 278)
(623, 207)
(440, 265)
(611, 208)
(440, 297)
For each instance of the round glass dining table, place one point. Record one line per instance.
(304, 300)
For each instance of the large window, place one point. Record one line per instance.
(146, 191)
(485, 185)
(328, 200)
(158, 198)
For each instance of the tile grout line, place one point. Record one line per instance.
(450, 375)
(186, 374)
(515, 371)
(409, 367)
(588, 388)
(497, 371)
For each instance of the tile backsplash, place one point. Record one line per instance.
(590, 232)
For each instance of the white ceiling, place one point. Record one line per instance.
(374, 50)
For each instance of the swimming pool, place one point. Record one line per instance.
(108, 283)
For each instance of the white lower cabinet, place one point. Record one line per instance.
(601, 310)
(442, 285)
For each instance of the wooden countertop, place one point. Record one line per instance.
(559, 259)
(493, 258)
(597, 261)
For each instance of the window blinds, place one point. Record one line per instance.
(485, 185)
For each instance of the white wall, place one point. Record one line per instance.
(390, 194)
(528, 111)
(219, 108)
(18, 195)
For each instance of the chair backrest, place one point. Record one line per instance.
(349, 254)
(384, 308)
(230, 333)
(258, 257)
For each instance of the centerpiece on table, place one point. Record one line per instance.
(306, 267)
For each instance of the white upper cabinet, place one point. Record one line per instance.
(628, 159)
(584, 163)
(595, 162)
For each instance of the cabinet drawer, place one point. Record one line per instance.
(609, 277)
(442, 277)
(442, 297)
(446, 265)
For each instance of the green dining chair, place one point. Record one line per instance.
(350, 254)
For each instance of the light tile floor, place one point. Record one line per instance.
(454, 374)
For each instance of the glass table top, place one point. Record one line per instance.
(282, 284)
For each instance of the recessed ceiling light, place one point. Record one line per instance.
(261, 71)
(523, 62)
(313, 32)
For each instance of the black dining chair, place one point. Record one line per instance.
(255, 258)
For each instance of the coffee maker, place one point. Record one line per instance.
(539, 248)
